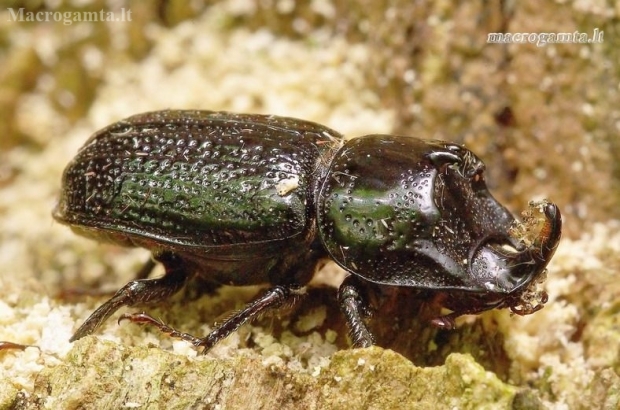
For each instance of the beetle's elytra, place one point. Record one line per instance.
(244, 199)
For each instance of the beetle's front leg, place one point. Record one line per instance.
(139, 292)
(448, 322)
(354, 306)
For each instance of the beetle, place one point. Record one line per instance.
(243, 199)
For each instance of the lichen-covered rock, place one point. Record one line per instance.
(99, 374)
(602, 338)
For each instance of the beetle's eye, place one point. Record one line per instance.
(477, 180)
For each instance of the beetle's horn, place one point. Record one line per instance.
(552, 231)
(506, 269)
(545, 243)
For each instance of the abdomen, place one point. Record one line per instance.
(211, 182)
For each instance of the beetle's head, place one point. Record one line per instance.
(520, 269)
(504, 257)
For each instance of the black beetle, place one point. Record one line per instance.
(244, 199)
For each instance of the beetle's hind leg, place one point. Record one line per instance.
(275, 297)
(140, 292)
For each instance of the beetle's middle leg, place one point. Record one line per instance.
(288, 277)
(139, 292)
(273, 298)
(354, 305)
